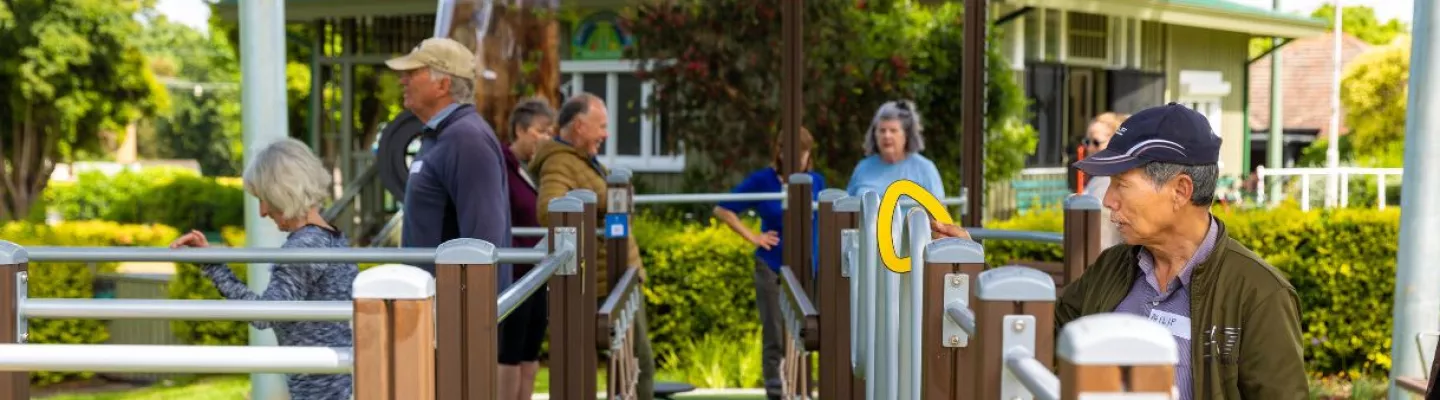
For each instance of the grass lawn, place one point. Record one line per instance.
(238, 387)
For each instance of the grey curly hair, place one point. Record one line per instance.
(899, 110)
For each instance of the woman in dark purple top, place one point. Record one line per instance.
(531, 122)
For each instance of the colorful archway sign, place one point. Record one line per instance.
(883, 235)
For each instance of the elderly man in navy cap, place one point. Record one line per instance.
(1235, 318)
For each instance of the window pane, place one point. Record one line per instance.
(663, 145)
(628, 113)
(593, 84)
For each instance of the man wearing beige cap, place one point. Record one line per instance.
(457, 186)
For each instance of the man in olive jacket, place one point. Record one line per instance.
(1235, 318)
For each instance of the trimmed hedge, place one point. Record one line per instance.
(74, 280)
(1341, 262)
(170, 196)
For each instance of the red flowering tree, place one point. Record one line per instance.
(717, 69)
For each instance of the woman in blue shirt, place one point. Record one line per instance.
(892, 152)
(768, 252)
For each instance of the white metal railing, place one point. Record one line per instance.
(175, 359)
(189, 310)
(1343, 174)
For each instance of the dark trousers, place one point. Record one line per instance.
(767, 299)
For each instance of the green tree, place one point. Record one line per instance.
(1358, 21)
(71, 71)
(717, 64)
(1376, 87)
(203, 121)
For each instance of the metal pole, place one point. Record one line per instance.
(1277, 115)
(792, 105)
(972, 113)
(1417, 291)
(265, 120)
(1332, 150)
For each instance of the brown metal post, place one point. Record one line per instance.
(1089, 364)
(1082, 235)
(1014, 302)
(972, 113)
(568, 315)
(467, 319)
(833, 295)
(949, 368)
(14, 271)
(589, 244)
(394, 334)
(799, 218)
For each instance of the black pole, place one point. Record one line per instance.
(972, 117)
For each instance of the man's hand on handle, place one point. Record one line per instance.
(939, 230)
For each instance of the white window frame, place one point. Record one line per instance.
(648, 160)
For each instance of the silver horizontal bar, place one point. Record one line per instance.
(705, 197)
(220, 255)
(175, 359)
(961, 316)
(1041, 383)
(531, 231)
(188, 310)
(1029, 236)
(530, 283)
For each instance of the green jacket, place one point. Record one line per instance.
(1233, 293)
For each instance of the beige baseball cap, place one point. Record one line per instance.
(442, 54)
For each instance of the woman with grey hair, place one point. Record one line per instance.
(892, 152)
(291, 185)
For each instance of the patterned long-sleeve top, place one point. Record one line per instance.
(302, 282)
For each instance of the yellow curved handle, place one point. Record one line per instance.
(883, 235)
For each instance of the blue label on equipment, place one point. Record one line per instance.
(617, 226)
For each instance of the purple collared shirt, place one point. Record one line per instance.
(1146, 300)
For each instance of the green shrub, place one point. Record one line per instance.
(189, 283)
(1341, 262)
(74, 280)
(700, 282)
(169, 196)
(718, 361)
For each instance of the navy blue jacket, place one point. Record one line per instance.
(457, 187)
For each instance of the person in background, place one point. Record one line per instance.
(892, 152)
(768, 248)
(292, 185)
(1235, 318)
(1097, 138)
(531, 122)
(567, 163)
(457, 186)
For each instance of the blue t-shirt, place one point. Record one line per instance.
(772, 215)
(874, 174)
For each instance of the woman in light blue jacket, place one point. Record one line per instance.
(892, 152)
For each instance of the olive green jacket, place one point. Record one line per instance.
(1245, 319)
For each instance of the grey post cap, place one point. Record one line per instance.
(1116, 339)
(1082, 202)
(467, 251)
(801, 179)
(566, 204)
(585, 195)
(846, 204)
(11, 253)
(618, 176)
(1015, 283)
(830, 195)
(954, 251)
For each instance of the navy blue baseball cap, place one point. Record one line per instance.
(1171, 133)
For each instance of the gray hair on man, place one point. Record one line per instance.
(462, 90)
(899, 110)
(1204, 177)
(288, 177)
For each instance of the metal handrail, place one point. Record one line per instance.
(532, 231)
(176, 359)
(962, 316)
(1041, 383)
(530, 283)
(220, 255)
(1029, 236)
(188, 310)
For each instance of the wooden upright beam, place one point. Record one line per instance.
(972, 111)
